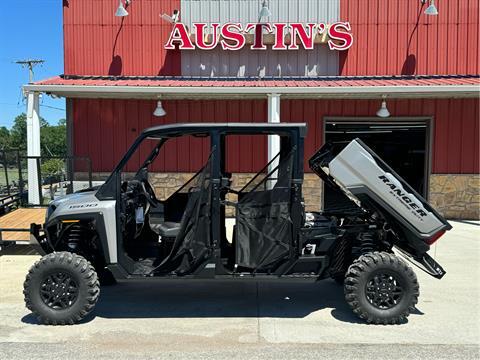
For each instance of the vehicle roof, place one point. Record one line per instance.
(238, 128)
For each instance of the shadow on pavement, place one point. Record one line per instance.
(217, 299)
(213, 299)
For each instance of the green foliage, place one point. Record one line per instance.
(52, 167)
(4, 138)
(18, 133)
(53, 139)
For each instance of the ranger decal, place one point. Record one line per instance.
(402, 196)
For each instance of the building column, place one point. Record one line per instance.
(273, 140)
(33, 146)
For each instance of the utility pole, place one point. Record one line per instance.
(33, 136)
(30, 64)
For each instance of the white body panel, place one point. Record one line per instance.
(355, 167)
(85, 203)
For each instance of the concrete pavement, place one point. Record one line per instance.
(254, 320)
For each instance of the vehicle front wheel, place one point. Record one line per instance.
(61, 288)
(381, 288)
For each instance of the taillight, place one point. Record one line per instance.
(435, 237)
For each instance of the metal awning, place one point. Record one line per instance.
(147, 87)
(340, 87)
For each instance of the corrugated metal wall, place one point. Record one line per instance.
(455, 125)
(112, 125)
(245, 62)
(98, 43)
(391, 37)
(396, 37)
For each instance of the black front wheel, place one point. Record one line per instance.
(381, 288)
(61, 288)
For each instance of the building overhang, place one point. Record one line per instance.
(353, 87)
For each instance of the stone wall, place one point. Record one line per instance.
(453, 196)
(312, 192)
(456, 196)
(166, 184)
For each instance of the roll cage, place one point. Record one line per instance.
(291, 145)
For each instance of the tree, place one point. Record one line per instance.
(4, 138)
(18, 133)
(53, 139)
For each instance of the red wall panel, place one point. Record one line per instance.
(391, 37)
(98, 43)
(103, 129)
(455, 125)
(396, 37)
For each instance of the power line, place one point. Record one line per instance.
(2, 103)
(47, 106)
(52, 107)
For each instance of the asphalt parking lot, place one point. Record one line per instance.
(268, 320)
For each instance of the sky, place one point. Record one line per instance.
(30, 29)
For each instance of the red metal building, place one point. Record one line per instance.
(425, 67)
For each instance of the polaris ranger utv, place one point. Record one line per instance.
(122, 230)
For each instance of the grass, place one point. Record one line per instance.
(12, 176)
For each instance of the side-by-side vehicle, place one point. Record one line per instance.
(121, 230)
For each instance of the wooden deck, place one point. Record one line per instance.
(20, 219)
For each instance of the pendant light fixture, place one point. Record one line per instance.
(264, 11)
(159, 111)
(383, 111)
(431, 9)
(121, 11)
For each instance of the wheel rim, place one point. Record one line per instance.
(59, 291)
(384, 291)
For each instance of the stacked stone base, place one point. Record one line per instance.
(455, 196)
(165, 184)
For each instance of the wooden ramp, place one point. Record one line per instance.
(15, 226)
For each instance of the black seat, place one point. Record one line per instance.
(161, 227)
(165, 229)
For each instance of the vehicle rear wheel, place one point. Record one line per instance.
(381, 288)
(61, 288)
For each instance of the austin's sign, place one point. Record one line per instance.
(280, 36)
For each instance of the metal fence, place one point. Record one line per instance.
(49, 177)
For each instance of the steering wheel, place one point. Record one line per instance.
(149, 193)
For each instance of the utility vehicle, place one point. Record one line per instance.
(122, 230)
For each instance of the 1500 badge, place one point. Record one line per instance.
(83, 206)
